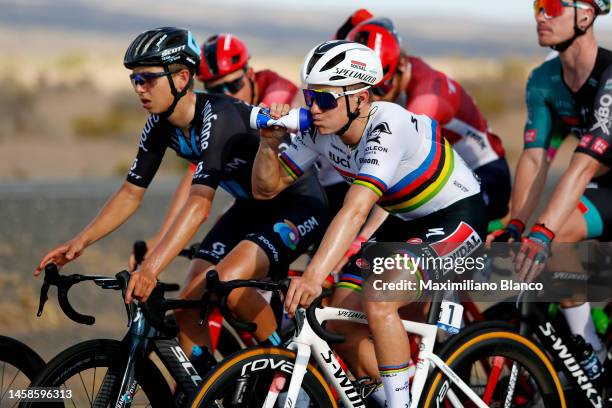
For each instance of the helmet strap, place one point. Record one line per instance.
(351, 115)
(577, 33)
(177, 95)
(253, 101)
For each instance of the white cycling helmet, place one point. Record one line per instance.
(341, 63)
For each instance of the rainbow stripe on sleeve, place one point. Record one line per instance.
(373, 183)
(290, 166)
(422, 184)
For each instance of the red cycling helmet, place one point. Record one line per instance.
(354, 19)
(222, 54)
(380, 35)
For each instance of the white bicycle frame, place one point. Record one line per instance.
(307, 344)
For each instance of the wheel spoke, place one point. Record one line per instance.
(85, 389)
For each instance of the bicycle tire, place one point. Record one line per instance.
(19, 364)
(477, 345)
(94, 354)
(227, 373)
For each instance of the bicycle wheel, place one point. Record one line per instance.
(243, 380)
(92, 371)
(502, 367)
(19, 364)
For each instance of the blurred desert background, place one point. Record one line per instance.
(70, 124)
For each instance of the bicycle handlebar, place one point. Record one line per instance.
(224, 289)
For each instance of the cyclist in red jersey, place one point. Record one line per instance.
(224, 69)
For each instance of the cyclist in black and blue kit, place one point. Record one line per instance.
(252, 239)
(570, 94)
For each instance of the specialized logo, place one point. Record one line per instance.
(344, 382)
(208, 117)
(374, 134)
(415, 241)
(370, 79)
(530, 135)
(461, 242)
(434, 231)
(151, 121)
(288, 232)
(572, 365)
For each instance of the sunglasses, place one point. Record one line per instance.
(326, 100)
(554, 8)
(232, 87)
(147, 78)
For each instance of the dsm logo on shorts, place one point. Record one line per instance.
(288, 232)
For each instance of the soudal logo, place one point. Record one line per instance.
(358, 65)
(460, 243)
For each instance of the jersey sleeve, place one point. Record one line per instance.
(226, 123)
(538, 128)
(299, 156)
(151, 151)
(278, 90)
(385, 147)
(596, 141)
(435, 100)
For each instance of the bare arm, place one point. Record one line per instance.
(531, 172)
(114, 213)
(341, 232)
(178, 201)
(184, 226)
(571, 187)
(375, 220)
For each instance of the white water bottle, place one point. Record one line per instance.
(296, 119)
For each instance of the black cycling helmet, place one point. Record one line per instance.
(162, 47)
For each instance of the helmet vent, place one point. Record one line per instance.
(334, 61)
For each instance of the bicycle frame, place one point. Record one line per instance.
(307, 344)
(143, 338)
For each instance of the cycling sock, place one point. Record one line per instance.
(396, 383)
(580, 322)
(378, 395)
(272, 340)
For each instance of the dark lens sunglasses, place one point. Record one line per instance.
(326, 100)
(147, 78)
(232, 87)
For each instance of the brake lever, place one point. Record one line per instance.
(44, 290)
(123, 278)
